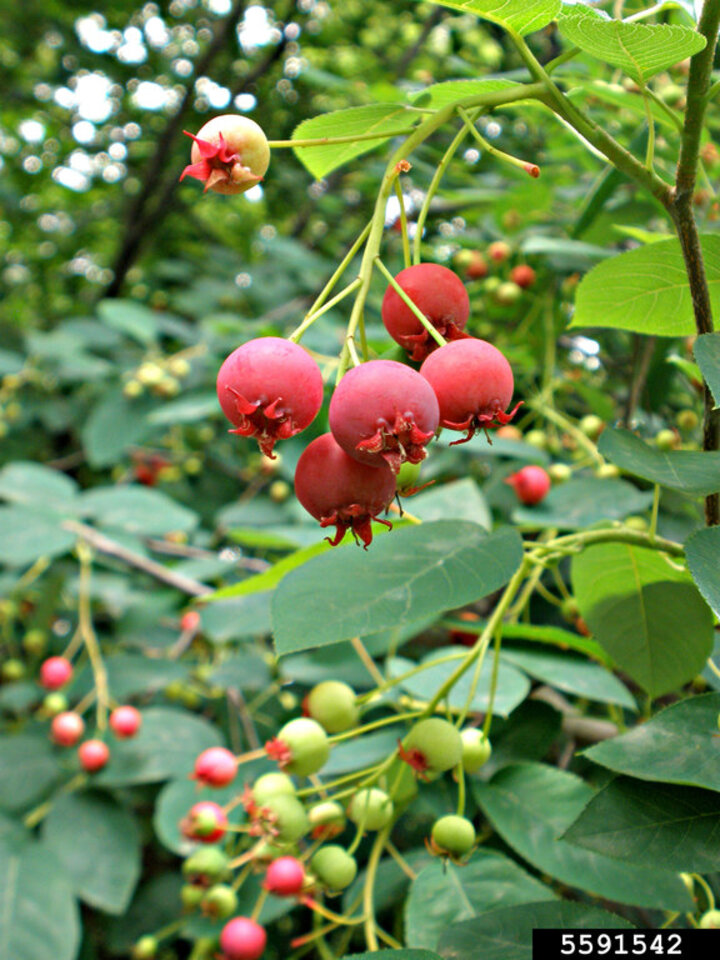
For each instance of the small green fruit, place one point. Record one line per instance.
(35, 642)
(271, 785)
(327, 819)
(146, 948)
(666, 440)
(12, 670)
(205, 866)
(55, 703)
(332, 704)
(559, 472)
(537, 438)
(607, 471)
(592, 426)
(301, 747)
(453, 835)
(637, 523)
(508, 293)
(190, 896)
(286, 817)
(408, 477)
(372, 808)
(687, 420)
(570, 610)
(710, 920)
(334, 867)
(219, 902)
(432, 746)
(476, 749)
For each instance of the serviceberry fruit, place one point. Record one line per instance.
(531, 484)
(125, 722)
(281, 819)
(270, 389)
(523, 275)
(439, 294)
(190, 621)
(499, 251)
(507, 294)
(301, 746)
(372, 808)
(453, 836)
(332, 704)
(431, 747)
(205, 866)
(145, 948)
(219, 902)
(327, 820)
(54, 703)
(13, 670)
(342, 492)
(473, 383)
(55, 672)
(472, 263)
(285, 877)
(384, 411)
(242, 939)
(476, 749)
(270, 785)
(230, 154)
(592, 426)
(93, 755)
(215, 767)
(559, 472)
(205, 821)
(710, 920)
(334, 867)
(191, 896)
(67, 728)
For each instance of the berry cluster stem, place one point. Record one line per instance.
(89, 637)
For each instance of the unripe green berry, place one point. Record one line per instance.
(508, 293)
(219, 902)
(432, 746)
(607, 471)
(687, 420)
(332, 704)
(270, 785)
(453, 835)
(287, 818)
(301, 747)
(559, 472)
(408, 477)
(666, 440)
(146, 948)
(35, 642)
(327, 819)
(132, 389)
(491, 285)
(206, 865)
(266, 852)
(476, 749)
(570, 610)
(55, 703)
(710, 920)
(592, 426)
(334, 867)
(12, 670)
(536, 438)
(190, 896)
(637, 523)
(372, 808)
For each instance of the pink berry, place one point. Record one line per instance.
(473, 383)
(439, 294)
(342, 492)
(215, 767)
(55, 672)
(523, 275)
(269, 389)
(93, 755)
(384, 411)
(67, 728)
(205, 821)
(285, 877)
(531, 484)
(242, 939)
(125, 721)
(190, 621)
(230, 154)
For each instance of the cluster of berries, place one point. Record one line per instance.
(67, 726)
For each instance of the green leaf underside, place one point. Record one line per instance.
(27, 533)
(707, 354)
(690, 472)
(702, 551)
(531, 805)
(30, 768)
(640, 49)
(646, 290)
(29, 483)
(670, 827)
(673, 747)
(380, 118)
(571, 674)
(418, 572)
(522, 17)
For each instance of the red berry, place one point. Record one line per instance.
(269, 389)
(472, 262)
(499, 251)
(342, 492)
(473, 383)
(242, 939)
(93, 755)
(523, 275)
(190, 621)
(383, 410)
(215, 767)
(285, 877)
(531, 484)
(439, 294)
(205, 821)
(229, 154)
(67, 728)
(55, 672)
(125, 721)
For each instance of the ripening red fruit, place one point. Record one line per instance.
(55, 672)
(205, 821)
(215, 767)
(190, 621)
(242, 939)
(230, 154)
(67, 728)
(125, 721)
(342, 492)
(384, 411)
(285, 877)
(269, 389)
(523, 275)
(531, 484)
(473, 383)
(93, 755)
(499, 251)
(439, 294)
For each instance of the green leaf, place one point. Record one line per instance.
(581, 503)
(27, 533)
(442, 895)
(154, 906)
(417, 572)
(571, 674)
(98, 843)
(506, 933)
(191, 408)
(521, 17)
(512, 687)
(673, 747)
(663, 826)
(166, 746)
(238, 617)
(555, 636)
(272, 577)
(247, 670)
(551, 800)
(702, 551)
(564, 253)
(637, 605)
(439, 95)
(684, 470)
(138, 510)
(30, 769)
(131, 318)
(707, 354)
(33, 484)
(132, 673)
(39, 913)
(114, 425)
(458, 500)
(640, 49)
(645, 290)
(527, 734)
(385, 119)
